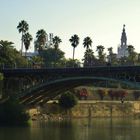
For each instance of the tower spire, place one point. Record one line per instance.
(123, 37)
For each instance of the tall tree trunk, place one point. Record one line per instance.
(21, 43)
(55, 58)
(73, 52)
(25, 52)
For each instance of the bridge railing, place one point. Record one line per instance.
(3, 66)
(33, 66)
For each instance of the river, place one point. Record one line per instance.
(76, 129)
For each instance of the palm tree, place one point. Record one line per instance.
(22, 27)
(4, 47)
(110, 54)
(131, 55)
(5, 44)
(89, 58)
(87, 42)
(110, 50)
(27, 38)
(101, 54)
(74, 42)
(130, 49)
(112, 57)
(56, 42)
(41, 38)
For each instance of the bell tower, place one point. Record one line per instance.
(123, 37)
(122, 49)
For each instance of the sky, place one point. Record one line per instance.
(102, 20)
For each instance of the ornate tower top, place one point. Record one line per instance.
(123, 37)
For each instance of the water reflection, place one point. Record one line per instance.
(77, 129)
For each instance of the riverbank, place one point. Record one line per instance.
(87, 109)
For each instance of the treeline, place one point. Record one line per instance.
(50, 54)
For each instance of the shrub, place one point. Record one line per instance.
(136, 94)
(12, 112)
(101, 93)
(111, 94)
(117, 94)
(1, 76)
(67, 100)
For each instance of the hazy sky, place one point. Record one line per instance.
(102, 20)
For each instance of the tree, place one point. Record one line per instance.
(9, 56)
(101, 54)
(67, 100)
(27, 38)
(123, 60)
(87, 42)
(72, 63)
(6, 44)
(138, 58)
(1, 76)
(12, 112)
(56, 42)
(131, 55)
(1, 84)
(89, 58)
(36, 61)
(112, 57)
(74, 40)
(22, 28)
(110, 50)
(41, 38)
(48, 57)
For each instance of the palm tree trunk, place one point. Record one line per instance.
(25, 53)
(73, 52)
(21, 43)
(55, 58)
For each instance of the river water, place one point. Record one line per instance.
(77, 129)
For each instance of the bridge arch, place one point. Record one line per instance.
(50, 89)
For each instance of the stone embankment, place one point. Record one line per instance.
(84, 109)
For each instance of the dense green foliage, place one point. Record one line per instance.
(1, 76)
(52, 57)
(67, 100)
(9, 56)
(1, 84)
(72, 63)
(89, 58)
(12, 112)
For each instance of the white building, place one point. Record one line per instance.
(122, 49)
(49, 43)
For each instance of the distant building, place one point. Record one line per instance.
(29, 55)
(49, 43)
(122, 49)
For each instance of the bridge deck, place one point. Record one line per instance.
(21, 71)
